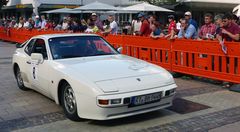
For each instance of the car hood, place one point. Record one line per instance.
(109, 67)
(117, 73)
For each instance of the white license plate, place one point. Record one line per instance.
(145, 99)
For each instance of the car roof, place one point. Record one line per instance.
(48, 36)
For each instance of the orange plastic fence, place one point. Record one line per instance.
(199, 58)
(205, 58)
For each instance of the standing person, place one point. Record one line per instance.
(219, 24)
(43, 22)
(26, 24)
(58, 27)
(136, 26)
(187, 30)
(20, 23)
(235, 19)
(106, 25)
(145, 27)
(29, 24)
(96, 21)
(152, 19)
(178, 25)
(83, 25)
(113, 26)
(156, 31)
(12, 23)
(188, 17)
(171, 27)
(92, 28)
(74, 27)
(65, 24)
(230, 30)
(1, 22)
(49, 25)
(38, 23)
(208, 30)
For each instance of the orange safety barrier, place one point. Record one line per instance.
(206, 59)
(145, 48)
(21, 35)
(199, 58)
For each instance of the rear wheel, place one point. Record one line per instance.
(20, 82)
(69, 102)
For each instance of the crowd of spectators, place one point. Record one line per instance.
(222, 27)
(91, 25)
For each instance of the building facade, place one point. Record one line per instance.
(26, 8)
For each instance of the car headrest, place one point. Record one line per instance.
(40, 42)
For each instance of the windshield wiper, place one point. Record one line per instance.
(105, 54)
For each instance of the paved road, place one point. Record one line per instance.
(199, 106)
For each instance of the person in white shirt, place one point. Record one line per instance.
(178, 25)
(113, 26)
(29, 24)
(65, 24)
(26, 24)
(44, 22)
(20, 24)
(136, 26)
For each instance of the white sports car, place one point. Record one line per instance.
(89, 78)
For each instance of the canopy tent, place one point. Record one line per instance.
(236, 10)
(96, 6)
(62, 10)
(211, 1)
(120, 11)
(145, 7)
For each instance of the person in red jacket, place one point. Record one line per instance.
(145, 27)
(171, 27)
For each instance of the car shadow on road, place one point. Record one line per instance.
(133, 119)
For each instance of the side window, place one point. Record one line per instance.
(40, 47)
(29, 47)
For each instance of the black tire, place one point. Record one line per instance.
(67, 102)
(176, 74)
(19, 79)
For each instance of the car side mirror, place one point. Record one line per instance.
(19, 45)
(120, 49)
(37, 57)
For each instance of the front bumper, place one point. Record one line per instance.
(91, 110)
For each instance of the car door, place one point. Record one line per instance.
(26, 62)
(39, 71)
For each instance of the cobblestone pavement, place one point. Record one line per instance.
(30, 111)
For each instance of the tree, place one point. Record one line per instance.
(3, 2)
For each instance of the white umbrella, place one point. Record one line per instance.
(121, 12)
(145, 7)
(97, 6)
(62, 10)
(236, 10)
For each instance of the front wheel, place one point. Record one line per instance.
(69, 102)
(20, 82)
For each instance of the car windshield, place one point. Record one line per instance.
(79, 46)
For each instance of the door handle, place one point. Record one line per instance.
(28, 62)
